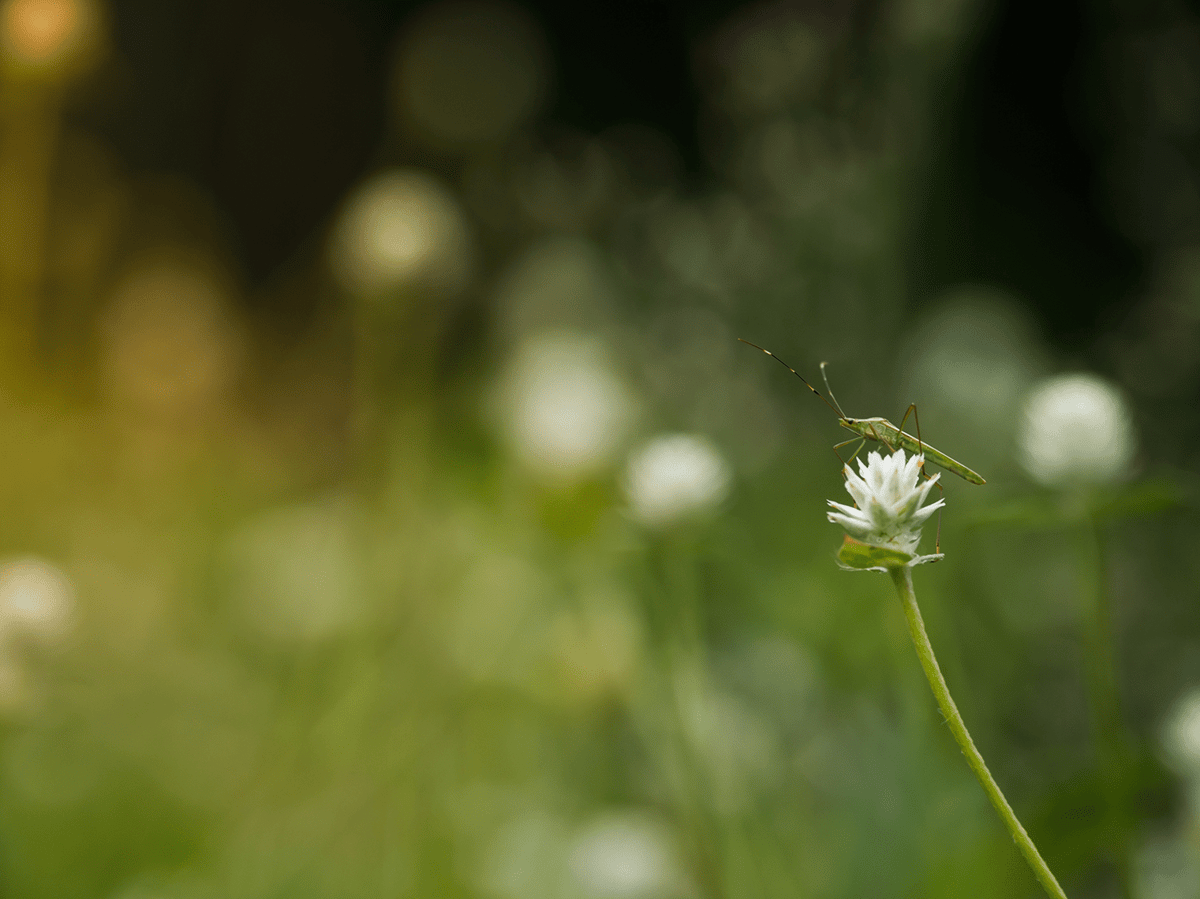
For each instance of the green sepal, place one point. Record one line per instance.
(858, 556)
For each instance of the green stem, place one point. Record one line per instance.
(1099, 647)
(902, 577)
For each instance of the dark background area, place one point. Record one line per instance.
(275, 109)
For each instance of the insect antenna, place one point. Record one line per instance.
(836, 404)
(839, 412)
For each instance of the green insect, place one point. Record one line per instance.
(881, 430)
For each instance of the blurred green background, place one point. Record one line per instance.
(391, 511)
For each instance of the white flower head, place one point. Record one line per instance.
(888, 513)
(566, 408)
(1181, 736)
(1077, 429)
(624, 855)
(675, 476)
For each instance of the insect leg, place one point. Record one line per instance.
(912, 408)
(838, 446)
(937, 538)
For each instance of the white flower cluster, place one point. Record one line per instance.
(888, 494)
(675, 476)
(1077, 430)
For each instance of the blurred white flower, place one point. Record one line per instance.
(673, 476)
(1166, 867)
(36, 600)
(170, 343)
(1076, 429)
(972, 359)
(37, 603)
(294, 571)
(1181, 735)
(888, 497)
(566, 411)
(623, 856)
(402, 230)
(524, 859)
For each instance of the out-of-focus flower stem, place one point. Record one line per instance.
(1100, 660)
(902, 577)
(32, 123)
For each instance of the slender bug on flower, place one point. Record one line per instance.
(880, 429)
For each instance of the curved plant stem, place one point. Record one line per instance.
(902, 577)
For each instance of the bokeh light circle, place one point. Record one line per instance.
(675, 476)
(402, 230)
(44, 38)
(1076, 429)
(469, 73)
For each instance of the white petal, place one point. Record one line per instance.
(873, 472)
(854, 527)
(927, 485)
(912, 469)
(921, 560)
(857, 487)
(922, 515)
(847, 510)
